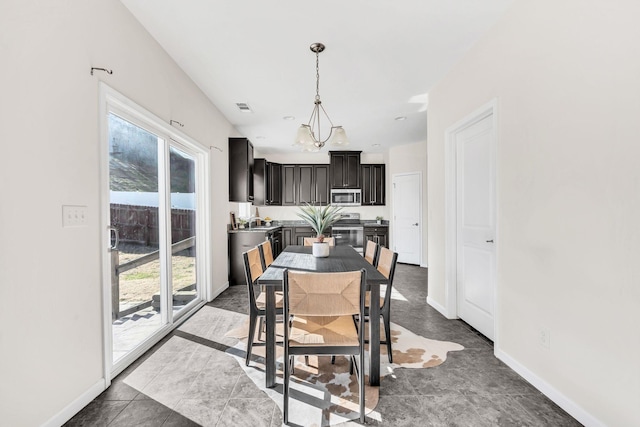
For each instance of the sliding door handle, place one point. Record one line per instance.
(117, 237)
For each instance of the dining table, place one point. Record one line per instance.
(300, 258)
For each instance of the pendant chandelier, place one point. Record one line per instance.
(309, 137)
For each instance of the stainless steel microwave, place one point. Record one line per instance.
(346, 197)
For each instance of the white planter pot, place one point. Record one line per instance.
(320, 250)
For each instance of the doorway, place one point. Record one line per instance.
(407, 217)
(471, 220)
(155, 198)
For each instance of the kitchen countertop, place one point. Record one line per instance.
(256, 229)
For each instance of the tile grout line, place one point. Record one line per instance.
(227, 402)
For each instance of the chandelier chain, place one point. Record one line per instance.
(317, 76)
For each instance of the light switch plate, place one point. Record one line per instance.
(74, 216)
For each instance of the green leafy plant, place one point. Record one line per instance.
(320, 218)
(379, 218)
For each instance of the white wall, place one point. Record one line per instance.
(50, 277)
(410, 158)
(566, 76)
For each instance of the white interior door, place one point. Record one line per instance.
(475, 219)
(407, 227)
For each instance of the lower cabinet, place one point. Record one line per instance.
(300, 233)
(287, 236)
(379, 234)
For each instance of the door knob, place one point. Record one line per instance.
(489, 241)
(416, 224)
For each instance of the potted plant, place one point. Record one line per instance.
(379, 219)
(320, 218)
(242, 222)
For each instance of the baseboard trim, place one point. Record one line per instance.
(76, 406)
(572, 408)
(438, 307)
(218, 291)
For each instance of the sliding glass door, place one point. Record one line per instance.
(156, 222)
(135, 212)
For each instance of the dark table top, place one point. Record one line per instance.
(341, 258)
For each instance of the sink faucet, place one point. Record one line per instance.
(253, 218)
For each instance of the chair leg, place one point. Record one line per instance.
(333, 359)
(361, 386)
(252, 330)
(285, 403)
(387, 336)
(260, 327)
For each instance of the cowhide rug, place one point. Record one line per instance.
(324, 394)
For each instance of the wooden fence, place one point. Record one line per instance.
(139, 224)
(117, 269)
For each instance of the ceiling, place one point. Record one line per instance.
(382, 57)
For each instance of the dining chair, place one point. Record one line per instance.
(323, 306)
(257, 304)
(266, 254)
(386, 264)
(371, 252)
(308, 241)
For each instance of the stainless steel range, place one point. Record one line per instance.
(349, 231)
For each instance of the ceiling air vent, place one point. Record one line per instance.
(244, 107)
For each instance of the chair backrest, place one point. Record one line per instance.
(308, 241)
(252, 270)
(266, 254)
(371, 252)
(324, 294)
(387, 260)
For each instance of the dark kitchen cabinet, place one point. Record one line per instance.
(305, 184)
(373, 184)
(321, 187)
(240, 170)
(345, 169)
(289, 187)
(267, 188)
(275, 184)
(300, 233)
(378, 234)
(276, 242)
(287, 236)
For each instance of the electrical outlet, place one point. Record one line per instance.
(74, 216)
(545, 338)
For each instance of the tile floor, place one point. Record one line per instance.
(472, 388)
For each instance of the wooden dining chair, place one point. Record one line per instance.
(257, 304)
(386, 264)
(308, 241)
(371, 252)
(323, 306)
(266, 254)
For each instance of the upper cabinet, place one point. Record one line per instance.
(373, 184)
(305, 184)
(240, 170)
(345, 169)
(267, 180)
